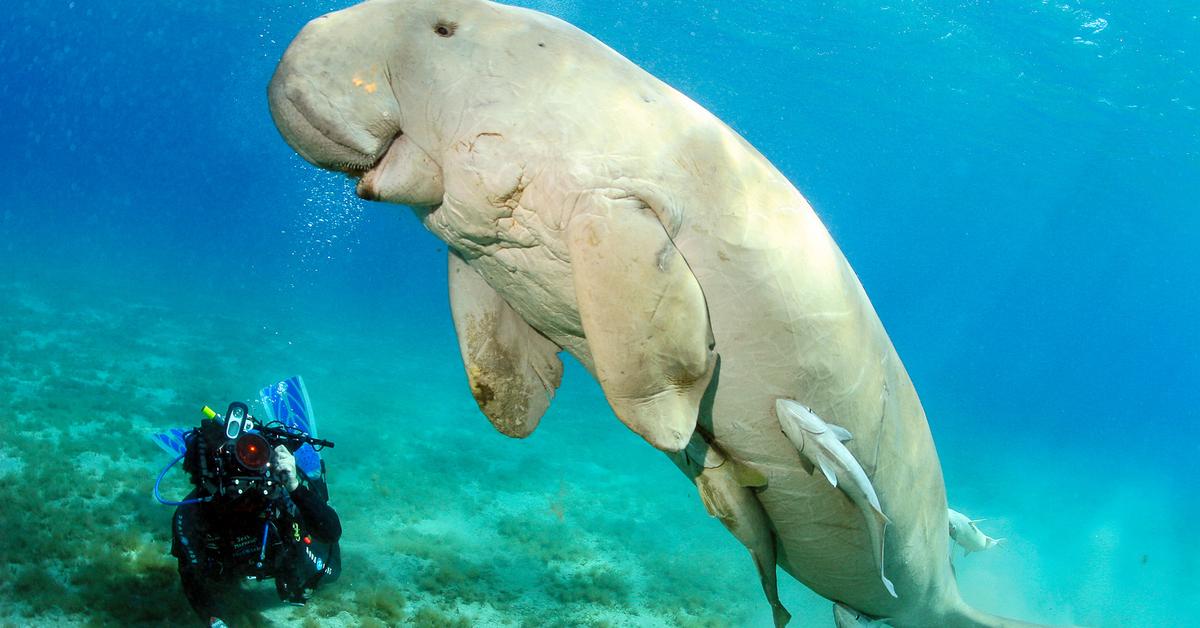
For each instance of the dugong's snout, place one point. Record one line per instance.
(331, 96)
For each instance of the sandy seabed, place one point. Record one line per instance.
(448, 523)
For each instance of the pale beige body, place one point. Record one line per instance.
(591, 207)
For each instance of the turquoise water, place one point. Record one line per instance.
(1016, 184)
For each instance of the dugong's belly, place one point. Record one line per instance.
(791, 320)
(539, 286)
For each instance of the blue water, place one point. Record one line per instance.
(1016, 184)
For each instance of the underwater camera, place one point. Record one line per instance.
(230, 459)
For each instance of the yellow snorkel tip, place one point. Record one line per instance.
(209, 412)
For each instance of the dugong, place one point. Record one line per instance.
(590, 208)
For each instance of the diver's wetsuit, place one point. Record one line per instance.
(217, 545)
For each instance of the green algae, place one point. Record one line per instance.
(594, 585)
(382, 602)
(94, 546)
(432, 617)
(544, 538)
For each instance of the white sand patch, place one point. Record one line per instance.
(96, 465)
(10, 463)
(27, 340)
(53, 618)
(28, 300)
(86, 429)
(47, 433)
(161, 397)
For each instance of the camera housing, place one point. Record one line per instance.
(230, 461)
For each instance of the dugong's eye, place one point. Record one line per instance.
(445, 29)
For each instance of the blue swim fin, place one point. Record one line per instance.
(287, 402)
(173, 441)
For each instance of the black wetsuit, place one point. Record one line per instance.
(218, 545)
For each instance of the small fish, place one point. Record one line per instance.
(964, 532)
(846, 617)
(821, 444)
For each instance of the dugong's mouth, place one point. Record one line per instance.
(359, 170)
(355, 162)
(405, 174)
(368, 177)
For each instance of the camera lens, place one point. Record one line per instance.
(253, 452)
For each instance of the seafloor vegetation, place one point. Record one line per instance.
(446, 523)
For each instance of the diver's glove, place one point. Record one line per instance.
(285, 468)
(216, 622)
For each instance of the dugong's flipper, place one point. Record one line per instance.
(513, 370)
(644, 317)
(846, 617)
(723, 489)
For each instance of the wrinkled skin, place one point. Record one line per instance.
(591, 208)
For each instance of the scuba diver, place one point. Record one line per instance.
(259, 509)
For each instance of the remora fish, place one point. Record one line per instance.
(964, 532)
(821, 443)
